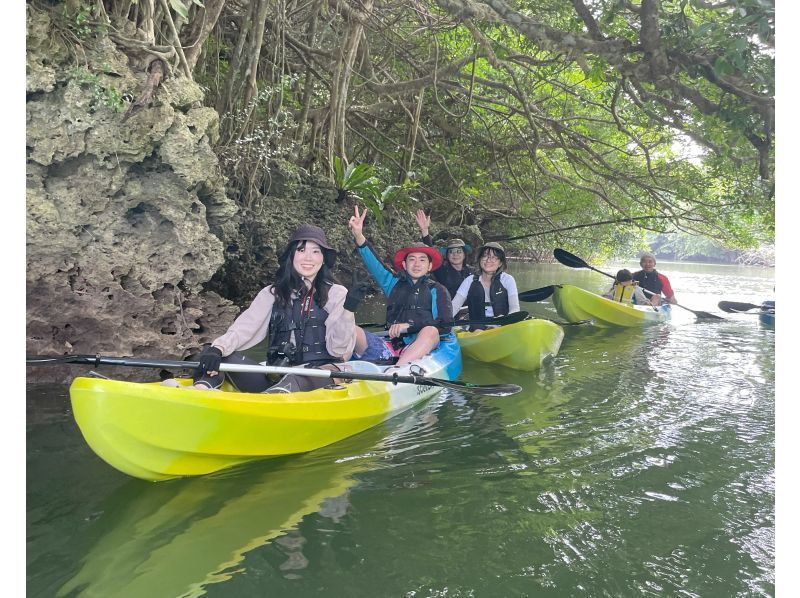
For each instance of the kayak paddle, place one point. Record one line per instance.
(537, 294)
(573, 261)
(496, 390)
(512, 318)
(732, 307)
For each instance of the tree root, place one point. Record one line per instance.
(157, 72)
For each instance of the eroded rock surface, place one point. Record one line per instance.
(134, 246)
(118, 236)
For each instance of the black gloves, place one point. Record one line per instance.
(209, 359)
(356, 293)
(355, 296)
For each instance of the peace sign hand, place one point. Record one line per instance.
(356, 225)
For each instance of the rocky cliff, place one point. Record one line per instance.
(133, 246)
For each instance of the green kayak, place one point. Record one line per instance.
(574, 303)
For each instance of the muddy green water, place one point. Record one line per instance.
(635, 463)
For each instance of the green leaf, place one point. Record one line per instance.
(338, 173)
(179, 7)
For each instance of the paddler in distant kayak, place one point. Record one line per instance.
(308, 316)
(491, 292)
(625, 290)
(455, 269)
(418, 308)
(655, 282)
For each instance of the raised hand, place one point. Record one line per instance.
(424, 222)
(356, 226)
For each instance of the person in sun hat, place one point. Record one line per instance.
(418, 309)
(492, 291)
(308, 316)
(455, 269)
(651, 280)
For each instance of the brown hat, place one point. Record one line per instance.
(453, 243)
(310, 232)
(493, 245)
(497, 248)
(432, 253)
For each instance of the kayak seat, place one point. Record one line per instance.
(364, 367)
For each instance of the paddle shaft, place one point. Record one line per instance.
(394, 378)
(237, 367)
(512, 318)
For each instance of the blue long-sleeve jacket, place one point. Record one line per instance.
(441, 309)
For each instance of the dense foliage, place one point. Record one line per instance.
(580, 123)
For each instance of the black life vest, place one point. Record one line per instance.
(450, 277)
(411, 302)
(476, 298)
(649, 281)
(306, 319)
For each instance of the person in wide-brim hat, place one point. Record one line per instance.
(418, 308)
(454, 268)
(400, 257)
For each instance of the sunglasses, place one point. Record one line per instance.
(455, 250)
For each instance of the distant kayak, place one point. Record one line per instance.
(574, 303)
(521, 346)
(766, 314)
(156, 432)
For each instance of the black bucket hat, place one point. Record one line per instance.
(311, 232)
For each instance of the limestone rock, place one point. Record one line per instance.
(118, 238)
(135, 246)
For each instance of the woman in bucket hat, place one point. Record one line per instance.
(454, 270)
(418, 308)
(492, 292)
(308, 316)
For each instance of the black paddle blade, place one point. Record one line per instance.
(512, 318)
(573, 261)
(733, 307)
(706, 315)
(517, 316)
(568, 259)
(537, 294)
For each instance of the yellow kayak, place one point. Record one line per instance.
(574, 303)
(156, 432)
(521, 346)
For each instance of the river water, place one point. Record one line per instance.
(635, 463)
